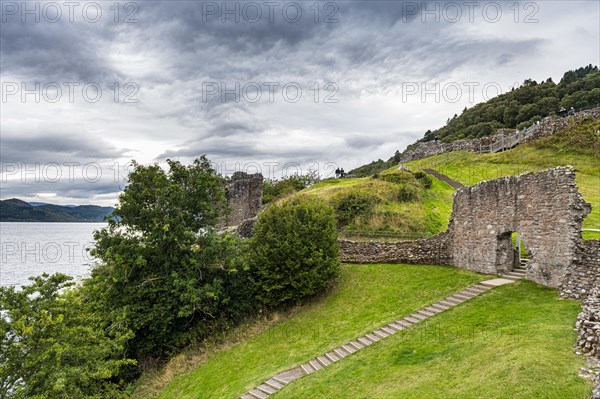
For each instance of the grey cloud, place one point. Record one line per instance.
(56, 148)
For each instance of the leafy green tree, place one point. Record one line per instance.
(276, 189)
(53, 345)
(164, 270)
(294, 251)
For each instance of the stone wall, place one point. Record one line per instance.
(433, 251)
(546, 208)
(546, 127)
(244, 197)
(584, 272)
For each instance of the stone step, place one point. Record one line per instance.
(315, 364)
(509, 277)
(439, 307)
(463, 295)
(324, 361)
(365, 341)
(418, 316)
(454, 300)
(332, 357)
(433, 310)
(282, 382)
(399, 326)
(388, 330)
(341, 352)
(448, 303)
(349, 348)
(395, 327)
(426, 313)
(519, 271)
(307, 368)
(404, 323)
(289, 375)
(473, 290)
(373, 337)
(411, 319)
(357, 345)
(482, 286)
(255, 393)
(266, 389)
(274, 383)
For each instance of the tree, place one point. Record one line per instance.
(53, 345)
(294, 251)
(164, 270)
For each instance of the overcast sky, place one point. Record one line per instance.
(268, 86)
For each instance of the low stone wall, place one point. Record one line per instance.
(433, 251)
(584, 272)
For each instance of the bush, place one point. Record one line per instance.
(424, 178)
(294, 251)
(350, 206)
(409, 193)
(398, 177)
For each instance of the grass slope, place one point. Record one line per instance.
(577, 145)
(512, 342)
(367, 296)
(427, 216)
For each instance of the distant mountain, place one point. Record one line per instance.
(15, 210)
(45, 203)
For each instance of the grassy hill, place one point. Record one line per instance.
(15, 210)
(511, 342)
(398, 204)
(578, 145)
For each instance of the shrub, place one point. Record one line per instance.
(350, 206)
(409, 193)
(424, 178)
(294, 251)
(398, 177)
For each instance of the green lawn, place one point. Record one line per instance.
(366, 297)
(512, 342)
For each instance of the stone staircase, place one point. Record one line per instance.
(280, 380)
(518, 272)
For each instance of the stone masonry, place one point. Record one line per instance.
(546, 127)
(584, 272)
(546, 208)
(244, 197)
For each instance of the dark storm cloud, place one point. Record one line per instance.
(60, 51)
(61, 147)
